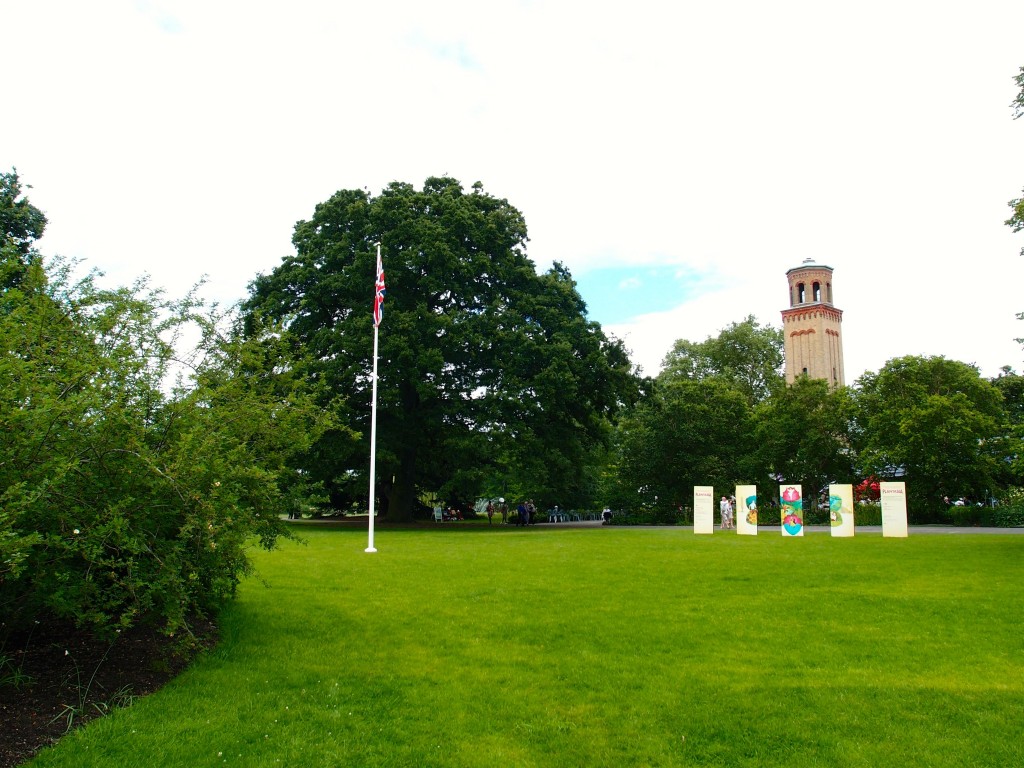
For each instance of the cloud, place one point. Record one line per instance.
(630, 284)
(718, 145)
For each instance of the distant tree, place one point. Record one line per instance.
(1011, 385)
(1017, 105)
(747, 355)
(488, 371)
(803, 436)
(21, 224)
(1016, 220)
(684, 433)
(936, 420)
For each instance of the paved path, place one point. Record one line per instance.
(769, 530)
(914, 530)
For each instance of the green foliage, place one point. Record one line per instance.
(802, 435)
(1009, 516)
(1011, 442)
(867, 514)
(491, 378)
(126, 499)
(21, 224)
(937, 420)
(1017, 105)
(1016, 220)
(746, 355)
(659, 515)
(684, 433)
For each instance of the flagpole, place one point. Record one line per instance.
(373, 430)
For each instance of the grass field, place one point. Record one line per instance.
(599, 647)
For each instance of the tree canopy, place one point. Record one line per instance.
(936, 420)
(1016, 220)
(802, 435)
(746, 354)
(488, 372)
(684, 433)
(21, 224)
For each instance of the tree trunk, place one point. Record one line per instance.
(402, 499)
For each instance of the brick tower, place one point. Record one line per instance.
(812, 326)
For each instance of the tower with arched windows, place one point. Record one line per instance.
(812, 326)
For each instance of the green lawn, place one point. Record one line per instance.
(599, 647)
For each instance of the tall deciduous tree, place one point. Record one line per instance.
(1011, 385)
(684, 433)
(935, 419)
(746, 354)
(802, 434)
(486, 368)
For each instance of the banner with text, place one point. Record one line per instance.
(894, 509)
(791, 506)
(703, 509)
(746, 510)
(840, 509)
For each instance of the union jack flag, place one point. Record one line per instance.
(378, 299)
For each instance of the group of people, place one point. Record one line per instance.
(501, 508)
(526, 513)
(726, 508)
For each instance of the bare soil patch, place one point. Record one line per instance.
(58, 676)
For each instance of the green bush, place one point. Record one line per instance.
(127, 498)
(658, 516)
(1007, 516)
(867, 514)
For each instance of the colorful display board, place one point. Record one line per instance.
(894, 509)
(745, 513)
(791, 506)
(840, 509)
(703, 509)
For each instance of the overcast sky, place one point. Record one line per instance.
(678, 157)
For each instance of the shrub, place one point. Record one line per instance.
(1006, 516)
(651, 516)
(124, 498)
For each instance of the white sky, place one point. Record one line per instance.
(729, 139)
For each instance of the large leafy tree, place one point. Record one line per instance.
(486, 369)
(746, 354)
(1011, 385)
(936, 420)
(1016, 220)
(802, 434)
(684, 433)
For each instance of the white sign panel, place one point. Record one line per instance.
(703, 509)
(840, 509)
(745, 513)
(894, 509)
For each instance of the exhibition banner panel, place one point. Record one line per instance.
(791, 506)
(746, 510)
(840, 509)
(703, 509)
(894, 509)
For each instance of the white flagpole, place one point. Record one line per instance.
(373, 425)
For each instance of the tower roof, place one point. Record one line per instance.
(809, 263)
